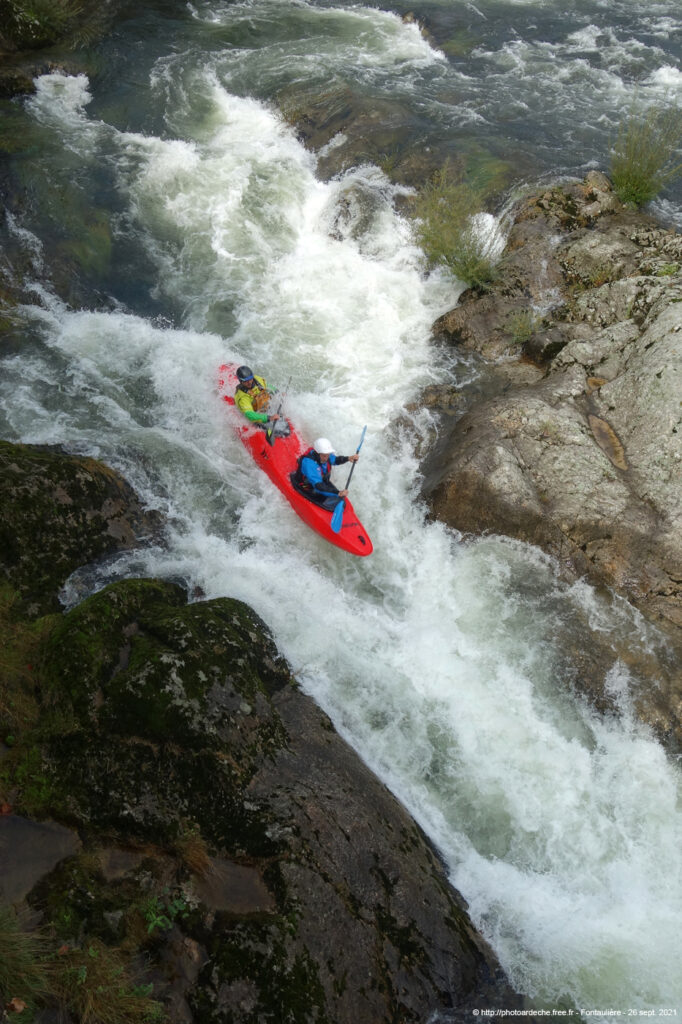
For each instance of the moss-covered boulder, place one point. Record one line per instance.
(60, 512)
(227, 828)
(132, 677)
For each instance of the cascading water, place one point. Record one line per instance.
(440, 659)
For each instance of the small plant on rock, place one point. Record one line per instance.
(38, 22)
(602, 274)
(388, 161)
(93, 984)
(160, 912)
(97, 987)
(643, 157)
(521, 326)
(448, 232)
(191, 847)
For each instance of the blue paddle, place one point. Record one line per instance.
(337, 517)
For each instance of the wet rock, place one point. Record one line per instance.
(484, 323)
(543, 346)
(233, 887)
(602, 353)
(17, 80)
(557, 253)
(595, 257)
(60, 512)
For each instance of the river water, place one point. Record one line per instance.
(166, 174)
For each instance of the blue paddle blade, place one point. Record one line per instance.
(337, 517)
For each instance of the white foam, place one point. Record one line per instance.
(61, 97)
(368, 43)
(491, 234)
(667, 78)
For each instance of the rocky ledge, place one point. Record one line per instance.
(175, 808)
(577, 444)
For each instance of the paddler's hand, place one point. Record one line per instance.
(273, 419)
(342, 494)
(353, 458)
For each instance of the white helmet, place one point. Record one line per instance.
(323, 446)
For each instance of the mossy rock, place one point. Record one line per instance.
(137, 660)
(136, 791)
(61, 512)
(162, 720)
(255, 974)
(155, 713)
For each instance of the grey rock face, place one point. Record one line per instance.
(585, 461)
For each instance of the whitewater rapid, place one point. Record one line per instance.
(440, 657)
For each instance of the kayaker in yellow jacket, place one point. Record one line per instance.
(252, 396)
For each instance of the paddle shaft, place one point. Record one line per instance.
(337, 515)
(268, 432)
(357, 452)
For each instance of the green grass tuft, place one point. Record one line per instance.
(93, 983)
(644, 155)
(23, 965)
(521, 325)
(447, 233)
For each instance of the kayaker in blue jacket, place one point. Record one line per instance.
(314, 470)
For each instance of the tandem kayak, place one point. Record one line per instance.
(280, 460)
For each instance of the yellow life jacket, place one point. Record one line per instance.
(255, 399)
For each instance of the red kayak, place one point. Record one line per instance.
(280, 460)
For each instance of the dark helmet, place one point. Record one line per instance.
(244, 373)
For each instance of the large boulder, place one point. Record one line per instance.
(305, 893)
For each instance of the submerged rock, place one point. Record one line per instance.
(346, 129)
